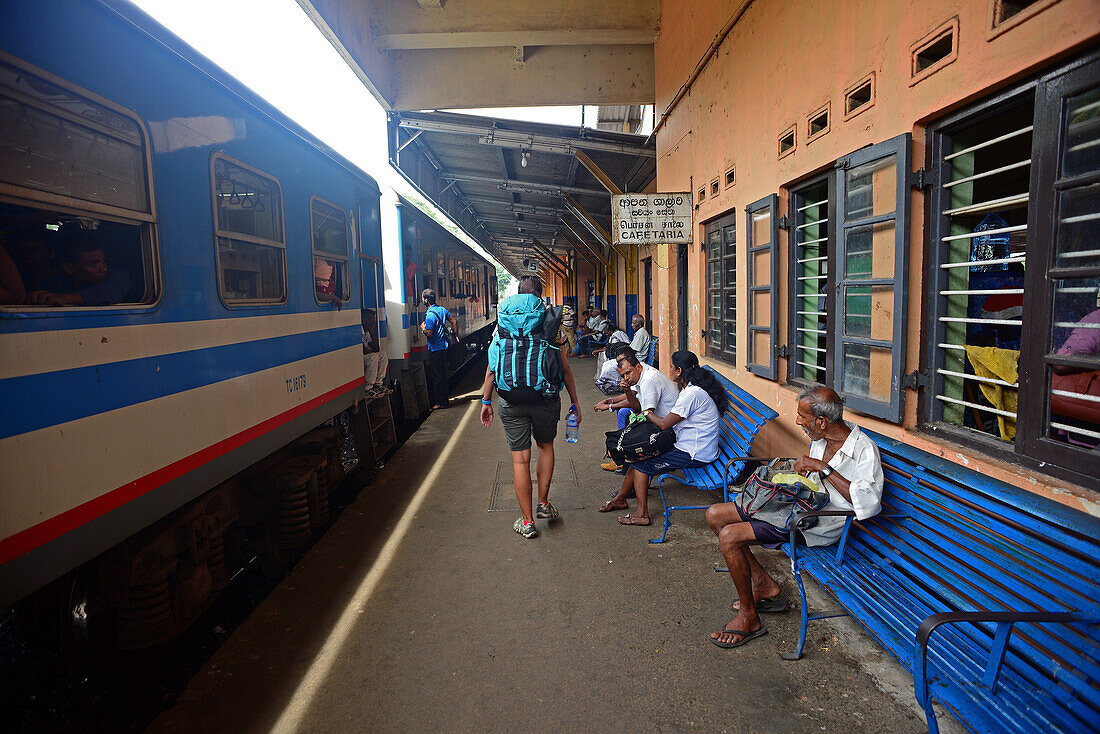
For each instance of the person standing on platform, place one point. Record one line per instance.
(435, 321)
(529, 401)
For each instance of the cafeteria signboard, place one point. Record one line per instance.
(651, 218)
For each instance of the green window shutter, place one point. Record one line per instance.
(870, 266)
(762, 230)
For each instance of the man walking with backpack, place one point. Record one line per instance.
(435, 324)
(528, 368)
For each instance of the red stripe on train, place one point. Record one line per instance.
(27, 540)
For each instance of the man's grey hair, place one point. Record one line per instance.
(824, 403)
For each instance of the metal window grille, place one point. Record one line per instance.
(721, 253)
(810, 283)
(983, 166)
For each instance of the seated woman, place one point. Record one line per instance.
(694, 418)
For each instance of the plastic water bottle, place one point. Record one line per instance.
(572, 428)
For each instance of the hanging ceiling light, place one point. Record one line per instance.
(523, 158)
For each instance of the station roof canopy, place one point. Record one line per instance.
(523, 190)
(460, 54)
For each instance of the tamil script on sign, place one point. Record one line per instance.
(651, 218)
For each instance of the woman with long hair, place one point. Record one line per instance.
(694, 418)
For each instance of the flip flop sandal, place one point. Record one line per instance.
(771, 605)
(631, 520)
(745, 637)
(610, 506)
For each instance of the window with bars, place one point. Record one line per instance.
(721, 253)
(810, 305)
(849, 258)
(1015, 254)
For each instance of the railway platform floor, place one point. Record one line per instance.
(422, 610)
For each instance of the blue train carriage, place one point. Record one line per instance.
(192, 263)
(465, 284)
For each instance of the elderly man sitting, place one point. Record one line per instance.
(844, 461)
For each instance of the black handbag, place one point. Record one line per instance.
(641, 439)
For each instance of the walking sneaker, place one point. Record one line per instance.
(545, 511)
(526, 529)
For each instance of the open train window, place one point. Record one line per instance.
(76, 201)
(329, 224)
(248, 220)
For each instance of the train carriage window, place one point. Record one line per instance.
(329, 224)
(76, 203)
(248, 210)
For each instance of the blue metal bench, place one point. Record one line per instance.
(987, 594)
(742, 419)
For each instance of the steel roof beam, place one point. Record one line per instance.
(577, 235)
(532, 187)
(489, 134)
(596, 171)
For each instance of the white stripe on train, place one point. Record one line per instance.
(63, 466)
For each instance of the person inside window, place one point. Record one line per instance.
(694, 417)
(86, 279)
(325, 281)
(12, 290)
(32, 249)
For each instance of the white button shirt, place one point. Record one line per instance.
(857, 461)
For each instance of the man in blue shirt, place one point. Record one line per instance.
(435, 319)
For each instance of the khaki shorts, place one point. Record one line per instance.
(523, 420)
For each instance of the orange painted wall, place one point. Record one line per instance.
(784, 60)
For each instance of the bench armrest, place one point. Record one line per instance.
(792, 527)
(1004, 621)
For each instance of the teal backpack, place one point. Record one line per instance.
(523, 357)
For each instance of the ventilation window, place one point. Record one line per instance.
(859, 97)
(817, 124)
(702, 194)
(786, 142)
(714, 188)
(730, 177)
(935, 51)
(1008, 14)
(1005, 9)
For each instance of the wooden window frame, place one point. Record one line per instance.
(727, 352)
(768, 370)
(900, 147)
